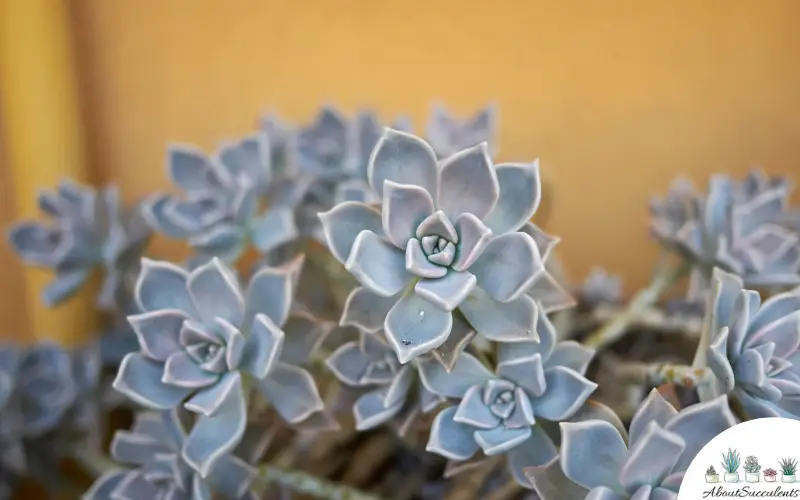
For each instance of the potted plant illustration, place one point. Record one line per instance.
(730, 464)
(711, 475)
(788, 468)
(751, 469)
(770, 475)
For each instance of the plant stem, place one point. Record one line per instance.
(300, 482)
(612, 331)
(92, 462)
(658, 373)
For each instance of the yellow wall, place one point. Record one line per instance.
(615, 97)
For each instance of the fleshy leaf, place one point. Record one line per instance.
(592, 453)
(414, 326)
(214, 436)
(377, 264)
(291, 390)
(468, 183)
(140, 379)
(451, 439)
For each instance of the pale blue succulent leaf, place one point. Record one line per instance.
(415, 326)
(272, 229)
(513, 321)
(158, 332)
(366, 310)
(570, 354)
(448, 291)
(468, 183)
(451, 439)
(220, 430)
(292, 392)
(508, 266)
(652, 457)
(566, 392)
(371, 410)
(501, 439)
(536, 451)
(343, 223)
(377, 264)
(467, 372)
(271, 289)
(135, 449)
(348, 363)
(64, 286)
(403, 158)
(263, 346)
(520, 194)
(653, 409)
(216, 293)
(592, 453)
(162, 285)
(474, 412)
(405, 207)
(105, 485)
(698, 424)
(139, 378)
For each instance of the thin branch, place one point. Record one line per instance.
(300, 482)
(663, 280)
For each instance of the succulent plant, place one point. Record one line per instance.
(46, 388)
(751, 464)
(449, 135)
(154, 447)
(221, 211)
(601, 287)
(734, 226)
(788, 466)
(333, 154)
(89, 231)
(12, 462)
(752, 348)
(199, 335)
(711, 471)
(370, 363)
(770, 472)
(650, 463)
(498, 413)
(730, 461)
(448, 236)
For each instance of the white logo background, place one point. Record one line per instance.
(769, 439)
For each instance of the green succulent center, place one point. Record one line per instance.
(211, 351)
(439, 250)
(504, 397)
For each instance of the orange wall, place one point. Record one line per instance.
(616, 97)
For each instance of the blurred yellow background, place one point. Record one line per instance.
(616, 97)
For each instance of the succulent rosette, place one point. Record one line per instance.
(599, 462)
(46, 388)
(199, 335)
(154, 446)
(752, 348)
(332, 154)
(448, 134)
(221, 210)
(390, 389)
(601, 287)
(12, 462)
(735, 226)
(446, 237)
(89, 231)
(500, 413)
